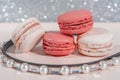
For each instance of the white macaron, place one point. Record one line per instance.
(26, 36)
(96, 42)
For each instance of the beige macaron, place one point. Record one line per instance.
(96, 42)
(26, 36)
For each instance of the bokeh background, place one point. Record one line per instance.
(48, 10)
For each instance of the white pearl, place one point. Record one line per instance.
(24, 67)
(43, 69)
(85, 68)
(2, 58)
(10, 63)
(115, 61)
(103, 65)
(64, 70)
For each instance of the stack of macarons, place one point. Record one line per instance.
(73, 22)
(90, 41)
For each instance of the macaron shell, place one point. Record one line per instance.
(92, 54)
(96, 36)
(74, 16)
(23, 27)
(59, 53)
(31, 40)
(58, 38)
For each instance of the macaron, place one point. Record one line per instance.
(27, 35)
(75, 22)
(96, 42)
(58, 44)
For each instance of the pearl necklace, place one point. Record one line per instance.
(24, 66)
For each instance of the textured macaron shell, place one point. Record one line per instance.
(75, 22)
(96, 42)
(29, 39)
(56, 37)
(58, 44)
(75, 16)
(96, 36)
(23, 27)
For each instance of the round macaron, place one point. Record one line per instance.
(96, 42)
(75, 22)
(58, 44)
(27, 35)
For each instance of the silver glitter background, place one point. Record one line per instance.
(48, 10)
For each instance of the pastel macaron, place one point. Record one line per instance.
(58, 44)
(75, 22)
(96, 42)
(26, 36)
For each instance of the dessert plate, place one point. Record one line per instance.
(38, 56)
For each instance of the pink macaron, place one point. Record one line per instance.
(26, 36)
(58, 44)
(75, 22)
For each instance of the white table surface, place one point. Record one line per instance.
(112, 73)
